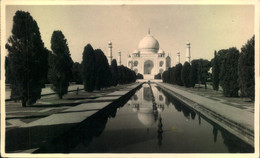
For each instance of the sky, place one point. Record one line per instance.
(206, 27)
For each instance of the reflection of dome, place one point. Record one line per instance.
(146, 116)
(148, 43)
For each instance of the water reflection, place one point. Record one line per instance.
(215, 133)
(147, 103)
(160, 132)
(188, 113)
(149, 106)
(151, 109)
(84, 133)
(234, 144)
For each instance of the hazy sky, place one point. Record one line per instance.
(207, 27)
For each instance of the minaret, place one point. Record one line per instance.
(119, 58)
(178, 58)
(110, 52)
(188, 52)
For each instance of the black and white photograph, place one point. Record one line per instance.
(130, 79)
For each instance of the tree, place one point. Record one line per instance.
(139, 76)
(229, 73)
(172, 78)
(27, 59)
(246, 72)
(185, 74)
(102, 70)
(165, 76)
(178, 69)
(89, 68)
(126, 75)
(60, 64)
(76, 73)
(215, 71)
(194, 72)
(203, 74)
(114, 72)
(7, 70)
(158, 76)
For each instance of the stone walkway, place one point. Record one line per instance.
(45, 91)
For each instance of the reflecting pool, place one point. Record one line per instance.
(152, 121)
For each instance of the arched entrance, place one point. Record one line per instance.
(148, 66)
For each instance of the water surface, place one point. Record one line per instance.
(155, 122)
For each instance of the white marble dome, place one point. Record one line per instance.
(148, 43)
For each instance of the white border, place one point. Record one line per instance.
(256, 3)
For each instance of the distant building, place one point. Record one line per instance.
(149, 59)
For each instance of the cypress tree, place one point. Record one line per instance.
(246, 72)
(215, 72)
(27, 59)
(102, 70)
(177, 74)
(185, 74)
(194, 72)
(114, 72)
(76, 73)
(203, 75)
(172, 75)
(7, 70)
(60, 64)
(139, 76)
(229, 73)
(89, 68)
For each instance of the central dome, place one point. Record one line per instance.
(148, 43)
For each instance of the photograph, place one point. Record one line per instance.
(129, 79)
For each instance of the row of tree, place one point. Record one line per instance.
(231, 70)
(97, 74)
(188, 74)
(29, 65)
(234, 71)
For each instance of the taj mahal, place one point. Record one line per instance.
(149, 58)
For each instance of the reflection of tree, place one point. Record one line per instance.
(193, 115)
(199, 120)
(160, 131)
(113, 113)
(215, 133)
(234, 144)
(81, 133)
(187, 112)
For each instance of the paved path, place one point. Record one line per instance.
(217, 107)
(45, 91)
(29, 128)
